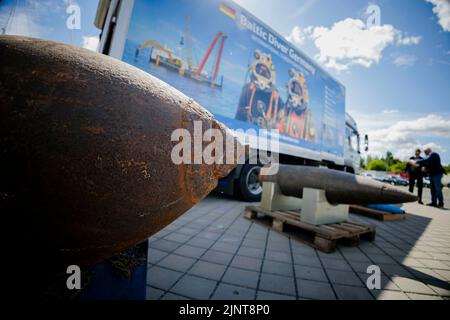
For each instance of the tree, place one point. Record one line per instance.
(389, 159)
(377, 165)
(398, 166)
(362, 163)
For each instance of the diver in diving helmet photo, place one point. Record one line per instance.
(298, 122)
(260, 102)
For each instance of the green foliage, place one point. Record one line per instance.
(377, 165)
(386, 163)
(390, 159)
(399, 166)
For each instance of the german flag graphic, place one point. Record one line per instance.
(228, 11)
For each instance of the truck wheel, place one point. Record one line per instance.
(249, 187)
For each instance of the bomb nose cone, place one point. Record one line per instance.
(392, 194)
(86, 166)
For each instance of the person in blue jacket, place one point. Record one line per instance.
(434, 168)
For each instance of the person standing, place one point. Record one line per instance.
(415, 175)
(433, 165)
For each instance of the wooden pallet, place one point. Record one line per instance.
(323, 237)
(376, 214)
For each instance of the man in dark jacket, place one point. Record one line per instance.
(433, 165)
(415, 175)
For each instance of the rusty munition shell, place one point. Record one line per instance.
(340, 187)
(85, 151)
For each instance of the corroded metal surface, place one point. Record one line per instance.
(340, 187)
(85, 151)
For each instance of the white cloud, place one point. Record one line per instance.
(349, 42)
(90, 43)
(402, 137)
(442, 9)
(299, 35)
(404, 60)
(408, 41)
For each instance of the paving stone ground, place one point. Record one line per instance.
(213, 252)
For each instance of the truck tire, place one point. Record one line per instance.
(248, 186)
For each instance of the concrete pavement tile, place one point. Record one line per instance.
(200, 242)
(162, 278)
(176, 262)
(441, 288)
(194, 287)
(344, 277)
(280, 268)
(230, 239)
(315, 290)
(248, 263)
(390, 295)
(310, 273)
(164, 245)
(155, 255)
(411, 262)
(395, 270)
(209, 235)
(277, 246)
(444, 273)
(188, 231)
(382, 258)
(178, 237)
(171, 296)
(336, 264)
(278, 256)
(330, 255)
(153, 293)
(419, 254)
(426, 274)
(415, 296)
(301, 247)
(278, 284)
(208, 270)
(356, 256)
(264, 295)
(189, 251)
(412, 285)
(260, 244)
(217, 257)
(231, 292)
(245, 278)
(225, 247)
(307, 260)
(251, 252)
(360, 266)
(352, 293)
(434, 264)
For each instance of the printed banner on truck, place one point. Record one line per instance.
(238, 68)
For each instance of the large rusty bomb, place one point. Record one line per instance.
(85, 151)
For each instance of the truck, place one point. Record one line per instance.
(247, 75)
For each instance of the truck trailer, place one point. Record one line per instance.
(246, 74)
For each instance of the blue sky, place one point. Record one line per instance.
(396, 74)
